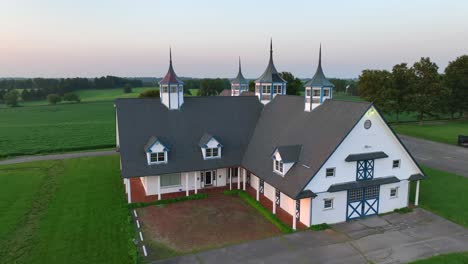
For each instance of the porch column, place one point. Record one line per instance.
(238, 177)
(230, 178)
(186, 185)
(274, 207)
(159, 187)
(294, 216)
(129, 192)
(195, 181)
(258, 189)
(416, 199)
(244, 176)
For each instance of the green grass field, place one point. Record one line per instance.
(453, 258)
(440, 131)
(70, 211)
(54, 128)
(445, 194)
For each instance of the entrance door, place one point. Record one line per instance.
(210, 177)
(363, 202)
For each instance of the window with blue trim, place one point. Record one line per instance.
(365, 170)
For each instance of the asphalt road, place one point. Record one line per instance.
(393, 238)
(437, 155)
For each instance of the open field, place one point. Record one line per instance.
(54, 128)
(68, 211)
(444, 194)
(453, 258)
(440, 131)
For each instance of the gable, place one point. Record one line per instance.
(378, 139)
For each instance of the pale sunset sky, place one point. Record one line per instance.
(88, 38)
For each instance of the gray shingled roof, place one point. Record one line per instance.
(205, 139)
(284, 122)
(289, 153)
(270, 75)
(233, 123)
(249, 132)
(151, 142)
(319, 79)
(416, 177)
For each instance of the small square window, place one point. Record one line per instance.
(327, 203)
(330, 172)
(396, 164)
(278, 166)
(394, 192)
(326, 92)
(316, 92)
(308, 92)
(157, 157)
(215, 152)
(209, 152)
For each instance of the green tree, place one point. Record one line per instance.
(11, 98)
(71, 97)
(54, 98)
(127, 88)
(153, 93)
(427, 94)
(400, 89)
(211, 87)
(294, 85)
(374, 86)
(252, 86)
(456, 81)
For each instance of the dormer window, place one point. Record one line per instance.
(212, 152)
(284, 158)
(278, 166)
(210, 147)
(156, 151)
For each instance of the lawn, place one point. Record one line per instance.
(440, 131)
(191, 226)
(453, 258)
(53, 128)
(445, 194)
(70, 211)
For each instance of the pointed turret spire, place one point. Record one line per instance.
(320, 56)
(240, 65)
(271, 48)
(171, 76)
(170, 55)
(319, 79)
(239, 78)
(271, 74)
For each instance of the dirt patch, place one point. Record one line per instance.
(216, 221)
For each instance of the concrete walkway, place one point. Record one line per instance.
(437, 155)
(393, 238)
(58, 156)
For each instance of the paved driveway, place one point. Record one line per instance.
(394, 238)
(437, 155)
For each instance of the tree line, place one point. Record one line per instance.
(39, 88)
(418, 88)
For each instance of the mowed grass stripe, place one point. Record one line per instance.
(86, 221)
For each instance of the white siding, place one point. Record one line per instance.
(360, 140)
(221, 175)
(336, 214)
(287, 204)
(254, 181)
(388, 204)
(269, 191)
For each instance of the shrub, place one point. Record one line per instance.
(231, 192)
(169, 201)
(403, 210)
(71, 97)
(153, 93)
(11, 98)
(54, 98)
(320, 227)
(127, 88)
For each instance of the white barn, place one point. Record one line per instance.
(318, 159)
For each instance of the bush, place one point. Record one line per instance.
(320, 227)
(169, 201)
(232, 192)
(263, 211)
(153, 93)
(403, 210)
(11, 98)
(54, 98)
(127, 88)
(71, 97)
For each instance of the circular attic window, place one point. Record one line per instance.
(367, 124)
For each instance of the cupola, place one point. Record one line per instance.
(318, 89)
(239, 84)
(270, 83)
(171, 88)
